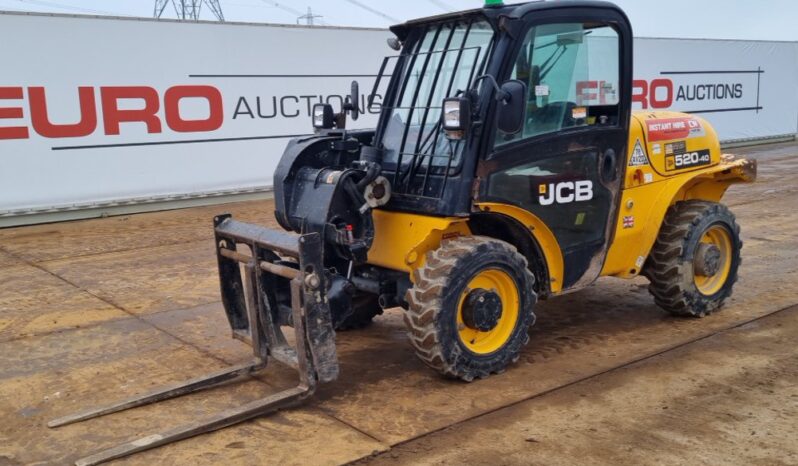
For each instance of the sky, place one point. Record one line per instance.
(716, 19)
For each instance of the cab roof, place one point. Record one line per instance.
(493, 12)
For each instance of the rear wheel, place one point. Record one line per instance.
(470, 307)
(693, 264)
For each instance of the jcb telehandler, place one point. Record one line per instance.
(506, 166)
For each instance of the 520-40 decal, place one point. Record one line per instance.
(687, 160)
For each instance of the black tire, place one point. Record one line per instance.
(364, 308)
(672, 268)
(439, 291)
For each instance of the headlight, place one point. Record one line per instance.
(322, 116)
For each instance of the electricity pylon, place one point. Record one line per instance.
(188, 9)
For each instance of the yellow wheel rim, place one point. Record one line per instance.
(492, 340)
(719, 237)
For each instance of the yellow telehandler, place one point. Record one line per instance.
(506, 166)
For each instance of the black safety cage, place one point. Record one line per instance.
(422, 160)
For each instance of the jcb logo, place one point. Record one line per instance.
(565, 192)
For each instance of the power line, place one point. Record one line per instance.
(373, 11)
(191, 11)
(443, 6)
(283, 7)
(46, 4)
(288, 9)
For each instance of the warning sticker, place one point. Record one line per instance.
(541, 90)
(666, 129)
(678, 147)
(638, 157)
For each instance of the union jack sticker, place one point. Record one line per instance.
(628, 221)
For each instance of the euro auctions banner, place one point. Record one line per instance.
(97, 111)
(746, 89)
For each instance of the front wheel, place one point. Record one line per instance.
(693, 264)
(470, 307)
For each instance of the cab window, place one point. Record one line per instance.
(571, 73)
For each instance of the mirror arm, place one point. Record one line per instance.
(501, 96)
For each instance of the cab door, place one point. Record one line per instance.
(566, 164)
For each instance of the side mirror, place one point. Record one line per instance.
(351, 105)
(394, 43)
(511, 107)
(323, 117)
(354, 100)
(456, 116)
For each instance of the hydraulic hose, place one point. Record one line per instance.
(372, 172)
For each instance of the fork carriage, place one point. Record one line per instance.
(255, 314)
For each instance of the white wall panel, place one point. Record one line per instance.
(746, 89)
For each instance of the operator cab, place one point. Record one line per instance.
(537, 101)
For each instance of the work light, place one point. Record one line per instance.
(322, 116)
(456, 113)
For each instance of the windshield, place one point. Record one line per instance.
(444, 61)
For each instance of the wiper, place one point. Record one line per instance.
(561, 40)
(562, 47)
(545, 67)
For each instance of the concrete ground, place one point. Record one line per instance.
(95, 310)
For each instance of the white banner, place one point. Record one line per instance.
(746, 89)
(95, 110)
(100, 110)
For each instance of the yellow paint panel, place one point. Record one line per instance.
(650, 188)
(659, 149)
(541, 232)
(630, 246)
(648, 204)
(401, 239)
(664, 135)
